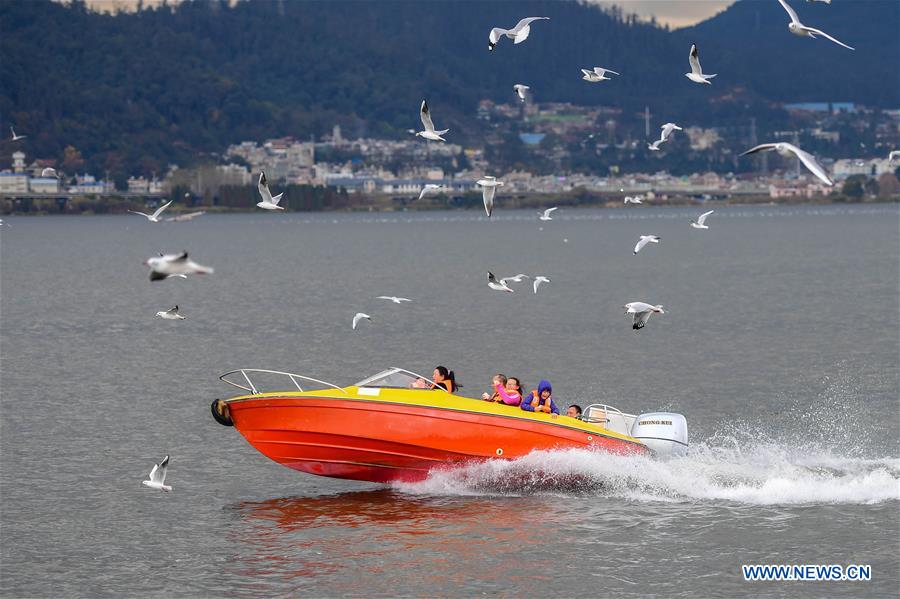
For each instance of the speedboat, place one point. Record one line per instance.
(388, 428)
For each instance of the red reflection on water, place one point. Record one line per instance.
(379, 533)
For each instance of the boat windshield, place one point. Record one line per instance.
(396, 378)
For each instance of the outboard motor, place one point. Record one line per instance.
(663, 432)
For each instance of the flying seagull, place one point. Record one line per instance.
(154, 218)
(799, 29)
(174, 265)
(488, 191)
(269, 202)
(701, 220)
(16, 137)
(633, 200)
(546, 214)
(520, 90)
(645, 239)
(429, 132)
(393, 298)
(538, 280)
(359, 316)
(496, 285)
(49, 172)
(641, 312)
(786, 149)
(597, 75)
(667, 130)
(517, 34)
(430, 188)
(170, 314)
(158, 476)
(895, 154)
(696, 75)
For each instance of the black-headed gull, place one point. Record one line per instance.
(801, 30)
(394, 298)
(520, 90)
(170, 314)
(538, 280)
(269, 202)
(489, 187)
(696, 75)
(644, 240)
(429, 131)
(633, 200)
(786, 149)
(16, 137)
(153, 218)
(496, 285)
(517, 34)
(158, 476)
(430, 188)
(359, 316)
(165, 266)
(597, 75)
(701, 220)
(641, 312)
(546, 214)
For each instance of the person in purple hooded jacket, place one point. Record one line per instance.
(540, 400)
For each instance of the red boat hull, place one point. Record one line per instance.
(384, 442)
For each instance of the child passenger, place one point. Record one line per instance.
(511, 394)
(540, 400)
(495, 396)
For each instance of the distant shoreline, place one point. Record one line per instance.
(535, 201)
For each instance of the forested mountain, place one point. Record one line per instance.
(133, 92)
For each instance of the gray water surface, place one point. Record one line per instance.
(780, 343)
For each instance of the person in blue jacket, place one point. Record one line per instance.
(540, 399)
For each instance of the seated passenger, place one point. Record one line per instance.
(540, 400)
(574, 411)
(495, 396)
(419, 383)
(444, 378)
(511, 394)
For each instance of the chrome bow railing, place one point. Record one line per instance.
(252, 388)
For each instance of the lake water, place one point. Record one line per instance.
(780, 344)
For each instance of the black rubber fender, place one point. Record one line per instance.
(221, 413)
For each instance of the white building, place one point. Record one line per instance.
(857, 166)
(138, 185)
(13, 182)
(44, 185)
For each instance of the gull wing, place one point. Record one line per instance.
(549, 210)
(587, 72)
(759, 148)
(601, 71)
(702, 217)
(158, 474)
(161, 208)
(823, 34)
(487, 194)
(525, 23)
(425, 115)
(790, 12)
(496, 34)
(645, 239)
(810, 163)
(640, 319)
(359, 316)
(263, 187)
(694, 59)
(492, 278)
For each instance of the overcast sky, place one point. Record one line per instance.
(677, 13)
